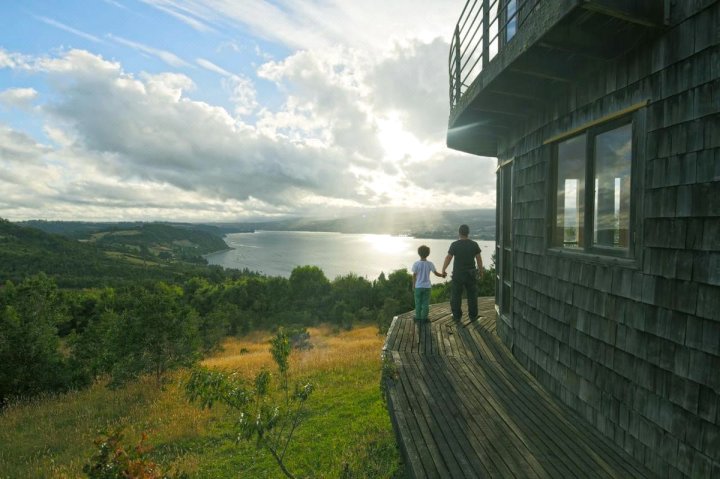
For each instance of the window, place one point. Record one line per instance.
(570, 192)
(592, 199)
(511, 15)
(613, 157)
(503, 244)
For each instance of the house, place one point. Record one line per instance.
(604, 117)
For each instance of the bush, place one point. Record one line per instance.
(114, 461)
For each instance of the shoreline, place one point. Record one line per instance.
(394, 235)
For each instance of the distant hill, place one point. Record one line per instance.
(166, 240)
(418, 223)
(84, 229)
(110, 257)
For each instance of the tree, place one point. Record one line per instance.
(399, 286)
(155, 332)
(390, 308)
(309, 290)
(354, 294)
(30, 357)
(268, 420)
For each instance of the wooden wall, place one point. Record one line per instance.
(635, 348)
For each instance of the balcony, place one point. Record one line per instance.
(462, 406)
(510, 59)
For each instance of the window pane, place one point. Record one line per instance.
(506, 173)
(511, 20)
(493, 37)
(613, 153)
(570, 193)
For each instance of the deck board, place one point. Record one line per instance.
(463, 407)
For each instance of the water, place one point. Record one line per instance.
(276, 253)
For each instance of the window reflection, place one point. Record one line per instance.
(613, 154)
(511, 12)
(570, 192)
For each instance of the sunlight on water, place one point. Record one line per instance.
(387, 243)
(276, 253)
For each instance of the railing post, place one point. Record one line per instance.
(486, 32)
(458, 67)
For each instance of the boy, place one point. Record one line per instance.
(421, 283)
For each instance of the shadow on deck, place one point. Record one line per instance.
(462, 406)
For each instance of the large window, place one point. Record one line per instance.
(592, 200)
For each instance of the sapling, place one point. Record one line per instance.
(266, 418)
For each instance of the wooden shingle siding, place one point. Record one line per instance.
(633, 346)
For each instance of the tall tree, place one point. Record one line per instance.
(156, 331)
(30, 357)
(309, 290)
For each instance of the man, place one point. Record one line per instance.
(466, 253)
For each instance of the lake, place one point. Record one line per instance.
(276, 253)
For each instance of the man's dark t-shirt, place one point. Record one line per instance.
(464, 252)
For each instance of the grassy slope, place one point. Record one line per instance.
(347, 425)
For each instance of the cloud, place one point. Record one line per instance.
(242, 94)
(317, 24)
(18, 97)
(240, 88)
(17, 147)
(357, 119)
(326, 100)
(13, 60)
(455, 173)
(210, 66)
(115, 4)
(69, 29)
(182, 14)
(147, 130)
(413, 81)
(167, 57)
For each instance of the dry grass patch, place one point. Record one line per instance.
(330, 350)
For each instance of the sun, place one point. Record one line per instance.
(397, 142)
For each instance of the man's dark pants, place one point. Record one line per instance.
(464, 281)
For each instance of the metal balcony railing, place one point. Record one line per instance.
(484, 28)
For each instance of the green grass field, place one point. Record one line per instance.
(347, 432)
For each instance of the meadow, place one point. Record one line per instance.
(347, 432)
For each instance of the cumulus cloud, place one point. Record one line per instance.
(17, 147)
(242, 94)
(326, 99)
(150, 131)
(18, 97)
(413, 81)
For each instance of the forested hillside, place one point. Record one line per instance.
(105, 258)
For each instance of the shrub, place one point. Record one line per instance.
(114, 461)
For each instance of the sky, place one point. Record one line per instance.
(228, 110)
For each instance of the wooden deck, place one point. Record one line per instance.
(462, 406)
